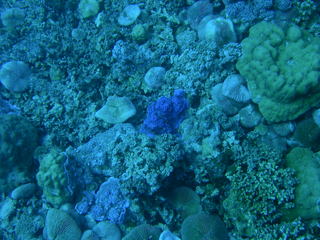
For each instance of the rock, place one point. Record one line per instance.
(116, 110)
(167, 235)
(24, 191)
(233, 88)
(7, 208)
(223, 103)
(15, 76)
(154, 78)
(89, 235)
(231, 95)
(129, 15)
(216, 29)
(107, 231)
(283, 129)
(316, 117)
(12, 18)
(88, 8)
(249, 116)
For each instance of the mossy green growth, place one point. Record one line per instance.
(282, 68)
(51, 177)
(307, 192)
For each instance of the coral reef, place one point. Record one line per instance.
(159, 119)
(139, 162)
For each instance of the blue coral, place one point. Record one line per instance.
(107, 204)
(165, 114)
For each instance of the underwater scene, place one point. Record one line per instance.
(159, 120)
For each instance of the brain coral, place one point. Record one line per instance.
(202, 226)
(60, 226)
(282, 70)
(142, 232)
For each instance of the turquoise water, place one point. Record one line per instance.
(163, 119)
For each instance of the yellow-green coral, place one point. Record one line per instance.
(52, 178)
(282, 68)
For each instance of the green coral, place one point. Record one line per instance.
(307, 193)
(282, 70)
(51, 177)
(259, 188)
